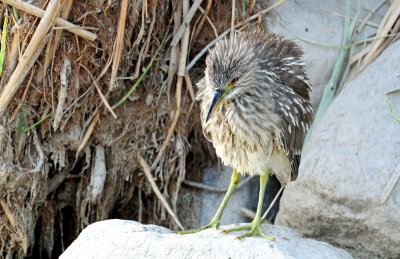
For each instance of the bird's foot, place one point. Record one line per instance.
(255, 229)
(212, 224)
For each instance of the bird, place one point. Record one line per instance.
(255, 109)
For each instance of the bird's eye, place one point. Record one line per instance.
(233, 81)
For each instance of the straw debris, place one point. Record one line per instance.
(107, 95)
(105, 125)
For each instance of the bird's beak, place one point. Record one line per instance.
(216, 101)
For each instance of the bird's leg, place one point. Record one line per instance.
(235, 179)
(255, 226)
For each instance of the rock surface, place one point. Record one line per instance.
(319, 21)
(349, 159)
(130, 239)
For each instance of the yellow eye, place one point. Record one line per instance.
(233, 81)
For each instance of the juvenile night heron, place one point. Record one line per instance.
(255, 109)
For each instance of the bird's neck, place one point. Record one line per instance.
(250, 110)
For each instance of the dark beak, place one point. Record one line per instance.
(214, 103)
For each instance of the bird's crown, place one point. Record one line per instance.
(228, 62)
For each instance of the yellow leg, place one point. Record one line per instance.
(235, 179)
(255, 226)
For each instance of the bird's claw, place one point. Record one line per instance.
(255, 229)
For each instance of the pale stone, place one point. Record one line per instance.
(129, 239)
(349, 159)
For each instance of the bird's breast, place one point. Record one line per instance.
(242, 140)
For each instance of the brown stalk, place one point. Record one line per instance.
(186, 22)
(8, 213)
(185, 38)
(22, 98)
(385, 27)
(97, 116)
(138, 40)
(174, 122)
(189, 86)
(150, 32)
(146, 170)
(88, 132)
(36, 11)
(12, 55)
(181, 74)
(203, 19)
(252, 5)
(62, 92)
(40, 152)
(30, 31)
(53, 45)
(389, 25)
(210, 22)
(118, 44)
(100, 93)
(173, 60)
(145, 47)
(30, 55)
(47, 59)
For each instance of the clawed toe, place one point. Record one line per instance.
(212, 224)
(255, 229)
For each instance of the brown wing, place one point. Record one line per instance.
(296, 113)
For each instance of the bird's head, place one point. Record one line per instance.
(229, 71)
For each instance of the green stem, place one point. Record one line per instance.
(142, 76)
(391, 111)
(3, 44)
(36, 123)
(15, 10)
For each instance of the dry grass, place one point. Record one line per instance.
(350, 64)
(387, 32)
(116, 55)
(82, 58)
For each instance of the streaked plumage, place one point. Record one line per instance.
(255, 109)
(264, 118)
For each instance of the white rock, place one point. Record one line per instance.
(348, 161)
(314, 20)
(130, 239)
